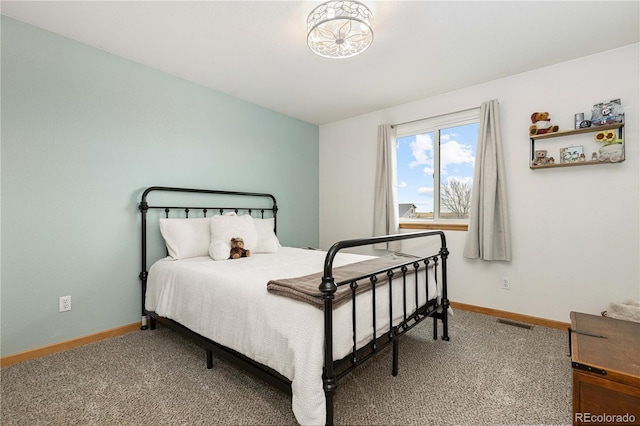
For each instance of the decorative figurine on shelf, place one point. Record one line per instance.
(613, 152)
(541, 158)
(607, 113)
(551, 160)
(582, 157)
(594, 156)
(612, 148)
(606, 136)
(541, 124)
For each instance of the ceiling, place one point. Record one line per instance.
(256, 50)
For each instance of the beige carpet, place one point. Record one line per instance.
(488, 374)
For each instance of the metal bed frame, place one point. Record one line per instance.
(333, 371)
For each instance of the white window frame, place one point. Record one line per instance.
(435, 125)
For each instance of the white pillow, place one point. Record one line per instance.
(186, 237)
(267, 240)
(223, 228)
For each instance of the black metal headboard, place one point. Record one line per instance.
(144, 208)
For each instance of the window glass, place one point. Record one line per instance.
(416, 164)
(435, 162)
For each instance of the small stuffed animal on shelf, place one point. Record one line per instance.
(541, 158)
(613, 152)
(612, 148)
(237, 249)
(541, 124)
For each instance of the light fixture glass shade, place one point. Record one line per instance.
(339, 29)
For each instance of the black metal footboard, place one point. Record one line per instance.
(333, 371)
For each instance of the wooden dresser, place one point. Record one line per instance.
(605, 356)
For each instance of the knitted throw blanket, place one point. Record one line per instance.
(306, 289)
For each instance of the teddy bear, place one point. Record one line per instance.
(541, 124)
(541, 158)
(237, 249)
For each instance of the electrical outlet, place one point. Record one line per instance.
(65, 303)
(505, 284)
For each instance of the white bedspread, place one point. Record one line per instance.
(228, 302)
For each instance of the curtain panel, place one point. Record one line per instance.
(489, 236)
(385, 210)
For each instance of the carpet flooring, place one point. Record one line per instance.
(488, 374)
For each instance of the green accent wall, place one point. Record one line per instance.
(84, 132)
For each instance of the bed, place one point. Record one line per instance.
(300, 318)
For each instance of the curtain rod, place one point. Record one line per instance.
(435, 116)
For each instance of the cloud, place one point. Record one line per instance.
(422, 150)
(402, 185)
(425, 190)
(446, 136)
(453, 152)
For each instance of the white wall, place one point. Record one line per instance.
(575, 230)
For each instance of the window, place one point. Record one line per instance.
(435, 161)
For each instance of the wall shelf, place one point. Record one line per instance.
(578, 163)
(594, 129)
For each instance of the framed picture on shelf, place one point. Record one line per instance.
(572, 154)
(607, 113)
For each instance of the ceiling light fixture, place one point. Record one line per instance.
(339, 29)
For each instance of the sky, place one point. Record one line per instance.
(415, 157)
